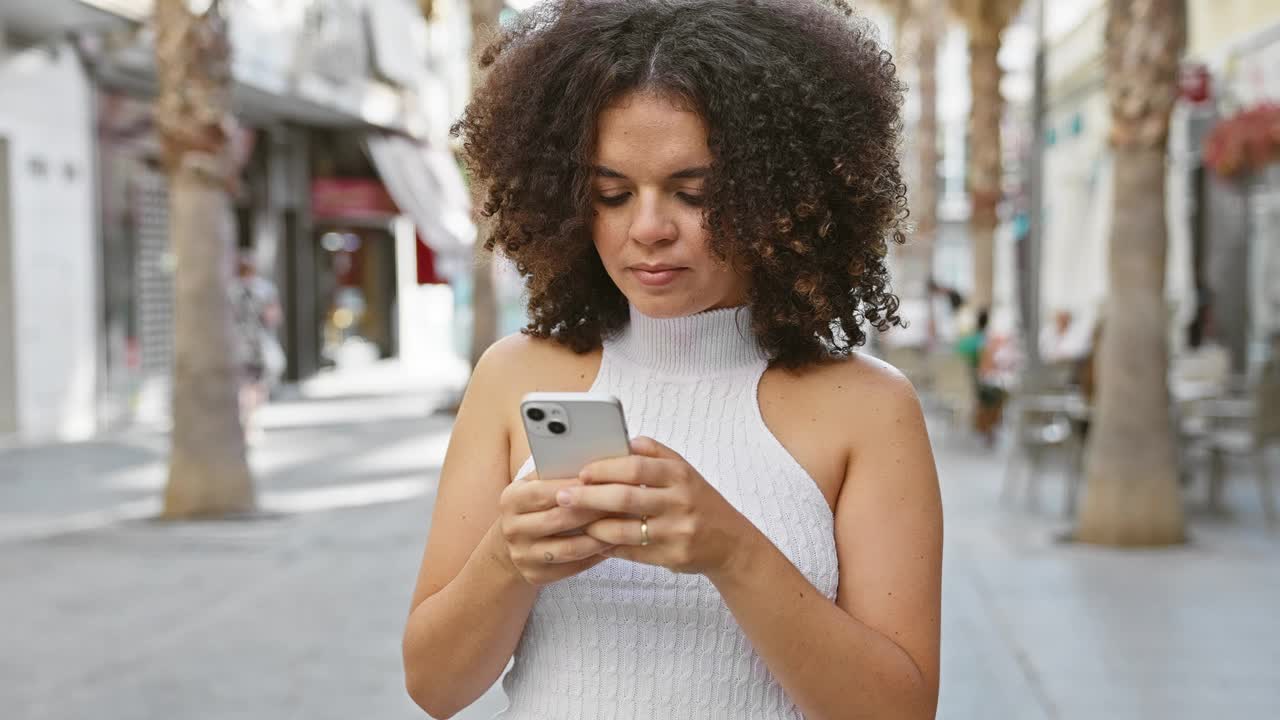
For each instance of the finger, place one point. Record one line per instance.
(614, 498)
(629, 470)
(555, 521)
(622, 532)
(648, 447)
(552, 573)
(633, 553)
(537, 495)
(559, 551)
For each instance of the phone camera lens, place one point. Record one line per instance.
(555, 427)
(535, 414)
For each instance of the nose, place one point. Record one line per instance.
(652, 223)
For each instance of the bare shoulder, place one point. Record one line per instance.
(874, 406)
(882, 389)
(520, 363)
(860, 390)
(884, 426)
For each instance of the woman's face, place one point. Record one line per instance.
(651, 165)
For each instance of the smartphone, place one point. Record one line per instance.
(568, 431)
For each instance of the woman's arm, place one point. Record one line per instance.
(458, 640)
(470, 604)
(873, 653)
(492, 542)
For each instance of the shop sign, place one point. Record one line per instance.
(334, 198)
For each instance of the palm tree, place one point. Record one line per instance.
(208, 468)
(985, 21)
(1132, 495)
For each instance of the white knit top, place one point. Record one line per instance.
(627, 640)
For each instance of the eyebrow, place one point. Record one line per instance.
(693, 173)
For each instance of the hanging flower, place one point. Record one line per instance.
(1245, 142)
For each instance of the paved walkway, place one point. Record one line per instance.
(114, 616)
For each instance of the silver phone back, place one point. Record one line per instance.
(595, 429)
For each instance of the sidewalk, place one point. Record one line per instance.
(46, 489)
(300, 616)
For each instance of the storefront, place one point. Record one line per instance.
(1240, 216)
(391, 237)
(137, 259)
(356, 304)
(314, 82)
(1253, 74)
(86, 323)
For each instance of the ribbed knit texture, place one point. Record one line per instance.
(627, 640)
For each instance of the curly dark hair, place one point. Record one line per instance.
(805, 191)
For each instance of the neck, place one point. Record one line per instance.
(708, 343)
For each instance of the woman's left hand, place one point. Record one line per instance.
(678, 520)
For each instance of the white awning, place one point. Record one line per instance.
(427, 185)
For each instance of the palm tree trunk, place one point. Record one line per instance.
(484, 300)
(1132, 493)
(208, 468)
(484, 297)
(985, 166)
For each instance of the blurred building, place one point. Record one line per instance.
(1237, 221)
(951, 264)
(352, 200)
(1215, 282)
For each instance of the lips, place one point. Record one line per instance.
(656, 275)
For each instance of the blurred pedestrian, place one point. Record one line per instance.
(982, 353)
(256, 314)
(700, 197)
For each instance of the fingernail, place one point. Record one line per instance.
(564, 497)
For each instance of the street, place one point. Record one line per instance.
(298, 614)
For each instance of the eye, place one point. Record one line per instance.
(613, 200)
(691, 200)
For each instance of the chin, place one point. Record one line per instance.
(664, 307)
(656, 308)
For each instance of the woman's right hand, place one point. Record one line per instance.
(531, 519)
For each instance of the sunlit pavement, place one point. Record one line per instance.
(298, 615)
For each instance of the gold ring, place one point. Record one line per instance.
(644, 530)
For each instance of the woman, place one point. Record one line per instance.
(700, 194)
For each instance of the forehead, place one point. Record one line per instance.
(647, 131)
